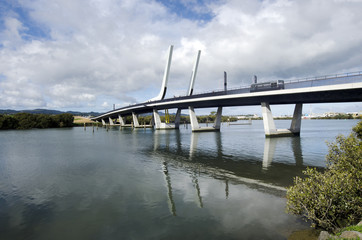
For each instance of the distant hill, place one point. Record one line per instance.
(47, 111)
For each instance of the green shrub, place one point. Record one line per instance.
(8, 122)
(333, 199)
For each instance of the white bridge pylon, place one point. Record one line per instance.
(193, 119)
(157, 124)
(193, 74)
(156, 117)
(162, 93)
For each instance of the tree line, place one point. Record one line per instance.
(28, 121)
(342, 116)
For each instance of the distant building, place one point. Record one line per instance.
(330, 114)
(240, 117)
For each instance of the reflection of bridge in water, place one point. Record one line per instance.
(254, 172)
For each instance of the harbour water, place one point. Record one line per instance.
(145, 184)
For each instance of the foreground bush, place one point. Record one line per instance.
(333, 199)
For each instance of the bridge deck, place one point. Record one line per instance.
(339, 88)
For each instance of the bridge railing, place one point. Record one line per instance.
(332, 76)
(311, 80)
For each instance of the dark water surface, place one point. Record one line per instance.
(146, 184)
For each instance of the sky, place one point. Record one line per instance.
(86, 55)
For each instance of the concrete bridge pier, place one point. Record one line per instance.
(110, 121)
(135, 120)
(178, 118)
(103, 122)
(136, 124)
(269, 125)
(121, 120)
(297, 119)
(160, 125)
(195, 124)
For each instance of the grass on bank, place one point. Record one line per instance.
(350, 228)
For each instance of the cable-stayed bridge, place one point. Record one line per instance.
(326, 89)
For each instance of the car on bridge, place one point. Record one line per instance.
(267, 86)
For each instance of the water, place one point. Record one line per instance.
(145, 184)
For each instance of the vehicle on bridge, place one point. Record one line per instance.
(267, 86)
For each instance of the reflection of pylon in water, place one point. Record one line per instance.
(167, 116)
(171, 203)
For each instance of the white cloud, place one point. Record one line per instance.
(105, 105)
(115, 50)
(11, 35)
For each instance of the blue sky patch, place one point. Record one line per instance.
(188, 9)
(32, 29)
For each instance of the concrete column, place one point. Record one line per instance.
(156, 119)
(121, 120)
(297, 119)
(152, 123)
(177, 118)
(195, 124)
(193, 119)
(103, 122)
(269, 125)
(110, 121)
(218, 118)
(135, 120)
(161, 125)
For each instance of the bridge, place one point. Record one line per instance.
(326, 89)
